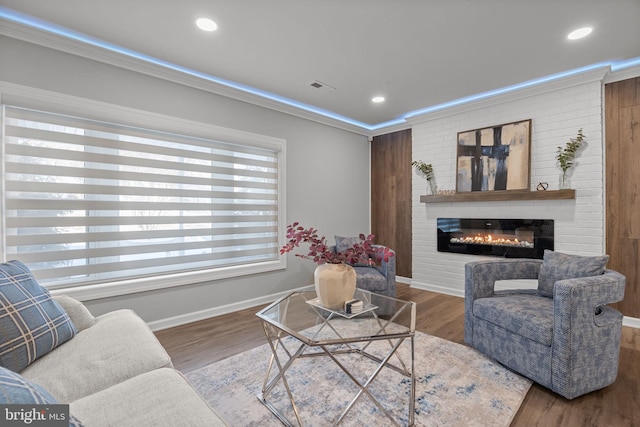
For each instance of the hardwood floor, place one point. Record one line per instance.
(201, 343)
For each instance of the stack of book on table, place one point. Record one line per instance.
(353, 306)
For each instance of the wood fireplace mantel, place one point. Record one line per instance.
(499, 196)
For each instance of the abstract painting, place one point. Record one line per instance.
(494, 158)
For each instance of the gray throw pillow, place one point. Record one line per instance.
(558, 266)
(344, 243)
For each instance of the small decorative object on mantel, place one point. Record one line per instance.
(334, 280)
(542, 186)
(425, 170)
(566, 156)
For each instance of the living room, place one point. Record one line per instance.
(328, 166)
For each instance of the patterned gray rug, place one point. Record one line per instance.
(456, 386)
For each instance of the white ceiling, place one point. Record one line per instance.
(416, 53)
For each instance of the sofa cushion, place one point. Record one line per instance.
(527, 315)
(558, 266)
(17, 390)
(31, 322)
(117, 347)
(159, 398)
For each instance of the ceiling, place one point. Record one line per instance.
(415, 53)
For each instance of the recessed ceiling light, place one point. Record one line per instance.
(377, 99)
(206, 24)
(580, 33)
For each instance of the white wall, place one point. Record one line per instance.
(557, 112)
(324, 166)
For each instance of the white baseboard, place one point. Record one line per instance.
(183, 319)
(632, 322)
(405, 280)
(438, 289)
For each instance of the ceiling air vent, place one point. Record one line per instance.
(319, 85)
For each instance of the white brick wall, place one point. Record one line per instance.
(556, 115)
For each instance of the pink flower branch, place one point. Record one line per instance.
(320, 252)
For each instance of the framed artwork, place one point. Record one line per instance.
(494, 158)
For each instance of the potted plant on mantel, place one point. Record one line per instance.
(565, 157)
(425, 170)
(334, 278)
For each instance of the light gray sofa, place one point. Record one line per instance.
(114, 372)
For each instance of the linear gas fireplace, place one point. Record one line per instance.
(508, 238)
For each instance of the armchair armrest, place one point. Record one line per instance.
(387, 268)
(583, 324)
(481, 276)
(583, 299)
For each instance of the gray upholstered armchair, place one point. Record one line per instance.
(380, 278)
(562, 335)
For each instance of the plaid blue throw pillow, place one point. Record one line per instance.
(17, 390)
(31, 322)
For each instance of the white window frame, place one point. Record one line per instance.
(23, 96)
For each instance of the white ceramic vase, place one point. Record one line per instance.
(335, 284)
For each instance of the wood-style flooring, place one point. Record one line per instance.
(200, 343)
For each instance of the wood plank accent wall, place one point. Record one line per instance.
(622, 139)
(391, 195)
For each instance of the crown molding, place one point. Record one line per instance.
(181, 76)
(383, 130)
(623, 74)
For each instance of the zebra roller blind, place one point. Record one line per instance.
(88, 202)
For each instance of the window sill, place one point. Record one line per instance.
(125, 287)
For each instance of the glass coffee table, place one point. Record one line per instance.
(361, 345)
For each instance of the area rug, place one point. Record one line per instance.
(455, 386)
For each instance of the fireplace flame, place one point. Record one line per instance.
(490, 240)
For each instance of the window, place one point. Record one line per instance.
(88, 202)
